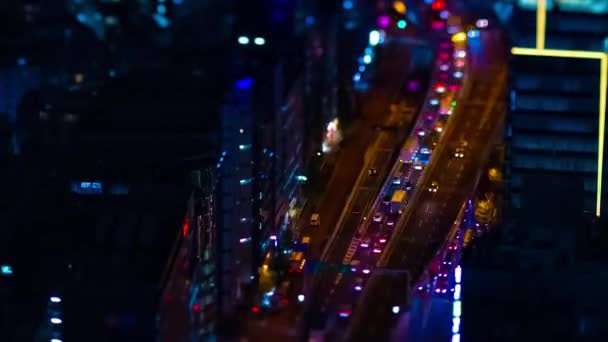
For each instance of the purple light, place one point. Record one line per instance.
(413, 86)
(366, 271)
(384, 21)
(357, 288)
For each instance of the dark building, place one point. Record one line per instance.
(540, 280)
(553, 123)
(538, 276)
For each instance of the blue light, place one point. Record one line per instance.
(178, 2)
(161, 9)
(259, 41)
(361, 68)
(161, 21)
(244, 83)
(310, 20)
(6, 270)
(374, 37)
(367, 59)
(473, 33)
(402, 24)
(112, 73)
(81, 17)
(357, 77)
(21, 61)
(347, 4)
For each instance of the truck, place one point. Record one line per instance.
(397, 201)
(297, 258)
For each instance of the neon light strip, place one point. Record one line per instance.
(603, 88)
(541, 32)
(541, 23)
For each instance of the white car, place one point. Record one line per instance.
(459, 153)
(378, 217)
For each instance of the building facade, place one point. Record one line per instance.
(553, 124)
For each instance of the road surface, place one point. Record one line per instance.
(426, 226)
(390, 74)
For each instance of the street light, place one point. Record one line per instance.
(395, 309)
(56, 320)
(301, 298)
(243, 40)
(55, 299)
(374, 38)
(259, 41)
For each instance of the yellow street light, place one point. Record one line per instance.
(459, 37)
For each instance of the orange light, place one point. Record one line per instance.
(399, 7)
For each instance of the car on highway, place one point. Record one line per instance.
(441, 286)
(443, 271)
(418, 165)
(434, 186)
(358, 286)
(315, 220)
(344, 310)
(378, 217)
(391, 219)
(365, 243)
(354, 265)
(372, 171)
(377, 249)
(408, 186)
(386, 199)
(459, 153)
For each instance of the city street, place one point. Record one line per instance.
(426, 225)
(365, 140)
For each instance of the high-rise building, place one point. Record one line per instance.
(537, 276)
(554, 123)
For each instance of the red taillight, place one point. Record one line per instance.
(438, 5)
(196, 307)
(444, 55)
(255, 309)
